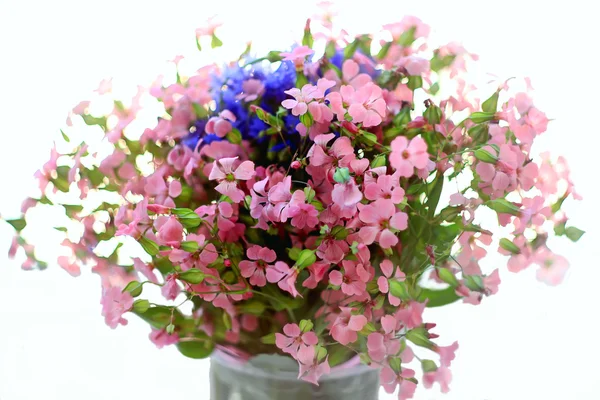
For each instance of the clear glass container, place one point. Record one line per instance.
(275, 377)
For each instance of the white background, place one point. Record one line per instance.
(528, 342)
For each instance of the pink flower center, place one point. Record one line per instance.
(406, 154)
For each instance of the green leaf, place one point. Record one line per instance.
(226, 321)
(438, 297)
(190, 246)
(433, 114)
(428, 366)
(351, 49)
(306, 325)
(414, 82)
(149, 246)
(64, 135)
(141, 305)
(556, 206)
(18, 224)
(438, 63)
(192, 276)
(420, 337)
(509, 246)
(434, 88)
(474, 282)
(215, 42)
(307, 39)
(306, 258)
(574, 233)
(187, 217)
(294, 253)
(447, 276)
(134, 288)
(309, 194)
(503, 206)
(268, 339)
(158, 316)
(398, 289)
(196, 348)
(434, 195)
(307, 119)
(485, 156)
(321, 353)
(395, 364)
(90, 120)
(234, 136)
(170, 329)
(384, 50)
(450, 213)
(368, 329)
(491, 104)
(408, 37)
(198, 45)
(480, 117)
(341, 175)
(254, 307)
(379, 161)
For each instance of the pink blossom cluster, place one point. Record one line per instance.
(329, 231)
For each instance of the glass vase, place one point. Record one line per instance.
(275, 377)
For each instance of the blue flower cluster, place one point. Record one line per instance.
(228, 85)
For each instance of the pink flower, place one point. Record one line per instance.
(390, 380)
(284, 276)
(387, 268)
(303, 215)
(533, 213)
(365, 105)
(408, 22)
(332, 251)
(297, 55)
(220, 125)
(386, 187)
(352, 76)
(144, 269)
(411, 316)
(255, 269)
(553, 267)
(209, 28)
(161, 338)
(379, 217)
(114, 304)
(407, 155)
(353, 280)
(414, 65)
(346, 325)
(346, 194)
(380, 346)
(224, 173)
(441, 375)
(313, 370)
(170, 289)
(299, 105)
(447, 353)
(317, 272)
(170, 232)
(501, 177)
(293, 340)
(69, 265)
(252, 89)
(340, 153)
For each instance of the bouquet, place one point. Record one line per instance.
(310, 202)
